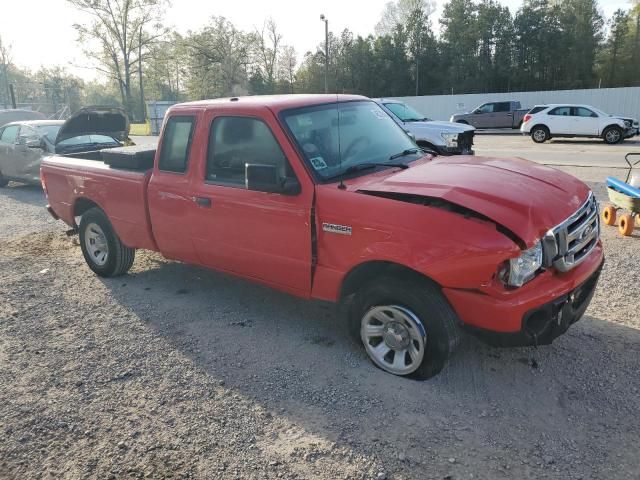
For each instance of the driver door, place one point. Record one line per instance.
(29, 154)
(481, 116)
(8, 155)
(255, 234)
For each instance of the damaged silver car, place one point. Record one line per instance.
(24, 144)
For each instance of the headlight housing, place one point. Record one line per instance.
(518, 271)
(451, 139)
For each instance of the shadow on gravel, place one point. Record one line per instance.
(569, 407)
(30, 194)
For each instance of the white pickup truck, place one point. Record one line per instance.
(445, 138)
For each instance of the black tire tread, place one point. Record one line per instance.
(123, 256)
(423, 295)
(612, 127)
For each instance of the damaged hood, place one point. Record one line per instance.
(111, 121)
(525, 197)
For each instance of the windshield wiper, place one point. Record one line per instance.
(367, 166)
(404, 153)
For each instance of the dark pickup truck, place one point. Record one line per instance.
(493, 115)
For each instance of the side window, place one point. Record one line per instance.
(584, 112)
(503, 107)
(486, 108)
(27, 134)
(236, 141)
(9, 134)
(176, 143)
(535, 110)
(561, 111)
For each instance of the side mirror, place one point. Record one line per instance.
(34, 143)
(477, 112)
(264, 178)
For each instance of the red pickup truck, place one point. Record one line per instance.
(325, 197)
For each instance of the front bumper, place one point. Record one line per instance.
(631, 132)
(531, 313)
(541, 325)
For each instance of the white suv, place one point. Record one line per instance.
(544, 122)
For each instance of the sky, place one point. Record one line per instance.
(45, 37)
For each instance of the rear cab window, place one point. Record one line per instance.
(176, 144)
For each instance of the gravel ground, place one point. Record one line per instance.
(176, 371)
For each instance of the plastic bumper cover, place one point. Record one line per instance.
(536, 313)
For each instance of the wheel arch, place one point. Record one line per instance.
(82, 205)
(362, 272)
(613, 125)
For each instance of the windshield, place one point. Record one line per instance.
(366, 134)
(87, 140)
(49, 131)
(405, 112)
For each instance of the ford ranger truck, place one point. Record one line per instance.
(326, 197)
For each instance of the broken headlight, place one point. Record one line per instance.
(451, 139)
(518, 271)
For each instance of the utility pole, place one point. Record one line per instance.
(326, 52)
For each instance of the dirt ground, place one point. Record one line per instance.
(178, 372)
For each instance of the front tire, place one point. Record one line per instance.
(612, 135)
(540, 134)
(103, 251)
(407, 328)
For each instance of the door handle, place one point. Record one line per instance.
(202, 201)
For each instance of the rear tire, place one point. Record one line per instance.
(540, 134)
(626, 225)
(103, 251)
(407, 328)
(612, 135)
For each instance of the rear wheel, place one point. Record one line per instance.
(407, 328)
(103, 251)
(612, 135)
(540, 134)
(626, 225)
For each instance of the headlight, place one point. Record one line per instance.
(520, 270)
(451, 139)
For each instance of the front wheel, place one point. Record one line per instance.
(103, 251)
(540, 134)
(407, 327)
(612, 135)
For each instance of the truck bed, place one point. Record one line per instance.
(74, 184)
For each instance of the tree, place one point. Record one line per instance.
(118, 35)
(287, 68)
(398, 12)
(5, 61)
(268, 43)
(218, 60)
(618, 30)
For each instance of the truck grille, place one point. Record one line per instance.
(569, 243)
(465, 140)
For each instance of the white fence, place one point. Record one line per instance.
(619, 101)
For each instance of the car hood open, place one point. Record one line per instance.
(112, 121)
(522, 196)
